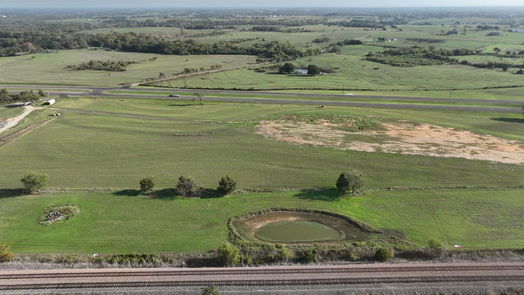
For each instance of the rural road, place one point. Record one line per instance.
(11, 122)
(339, 100)
(385, 275)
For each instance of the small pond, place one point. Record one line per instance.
(297, 231)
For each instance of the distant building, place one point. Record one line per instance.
(50, 102)
(515, 30)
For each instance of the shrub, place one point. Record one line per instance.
(226, 185)
(34, 181)
(146, 184)
(349, 181)
(210, 290)
(309, 256)
(287, 68)
(435, 246)
(186, 187)
(383, 254)
(5, 253)
(313, 70)
(228, 255)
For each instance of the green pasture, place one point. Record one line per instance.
(352, 72)
(207, 142)
(125, 223)
(49, 68)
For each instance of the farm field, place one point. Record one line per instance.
(429, 173)
(49, 68)
(355, 73)
(120, 223)
(114, 152)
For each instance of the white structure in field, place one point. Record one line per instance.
(50, 102)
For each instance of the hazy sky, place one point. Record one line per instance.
(261, 3)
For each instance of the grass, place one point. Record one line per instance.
(115, 223)
(49, 68)
(6, 113)
(214, 140)
(355, 73)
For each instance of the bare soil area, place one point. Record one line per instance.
(404, 137)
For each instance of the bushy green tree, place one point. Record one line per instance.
(146, 185)
(349, 182)
(228, 255)
(287, 68)
(313, 70)
(34, 181)
(186, 187)
(226, 185)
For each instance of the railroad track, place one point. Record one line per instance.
(267, 276)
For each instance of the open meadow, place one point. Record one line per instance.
(437, 137)
(107, 145)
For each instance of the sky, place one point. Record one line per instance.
(256, 3)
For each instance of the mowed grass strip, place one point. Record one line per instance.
(118, 223)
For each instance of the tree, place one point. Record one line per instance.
(41, 93)
(226, 185)
(384, 254)
(313, 70)
(5, 253)
(210, 290)
(287, 68)
(520, 72)
(161, 75)
(228, 255)
(34, 181)
(146, 184)
(349, 182)
(435, 247)
(186, 187)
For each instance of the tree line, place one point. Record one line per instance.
(6, 97)
(12, 43)
(101, 65)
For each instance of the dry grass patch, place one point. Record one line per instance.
(401, 137)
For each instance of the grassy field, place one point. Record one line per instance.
(49, 68)
(496, 93)
(213, 140)
(6, 113)
(117, 223)
(355, 73)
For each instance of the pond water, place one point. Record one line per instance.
(296, 231)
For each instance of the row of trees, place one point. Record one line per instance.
(414, 56)
(6, 97)
(187, 187)
(101, 65)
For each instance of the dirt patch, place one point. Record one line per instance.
(406, 138)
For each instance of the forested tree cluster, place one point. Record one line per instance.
(29, 42)
(6, 97)
(415, 56)
(101, 65)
